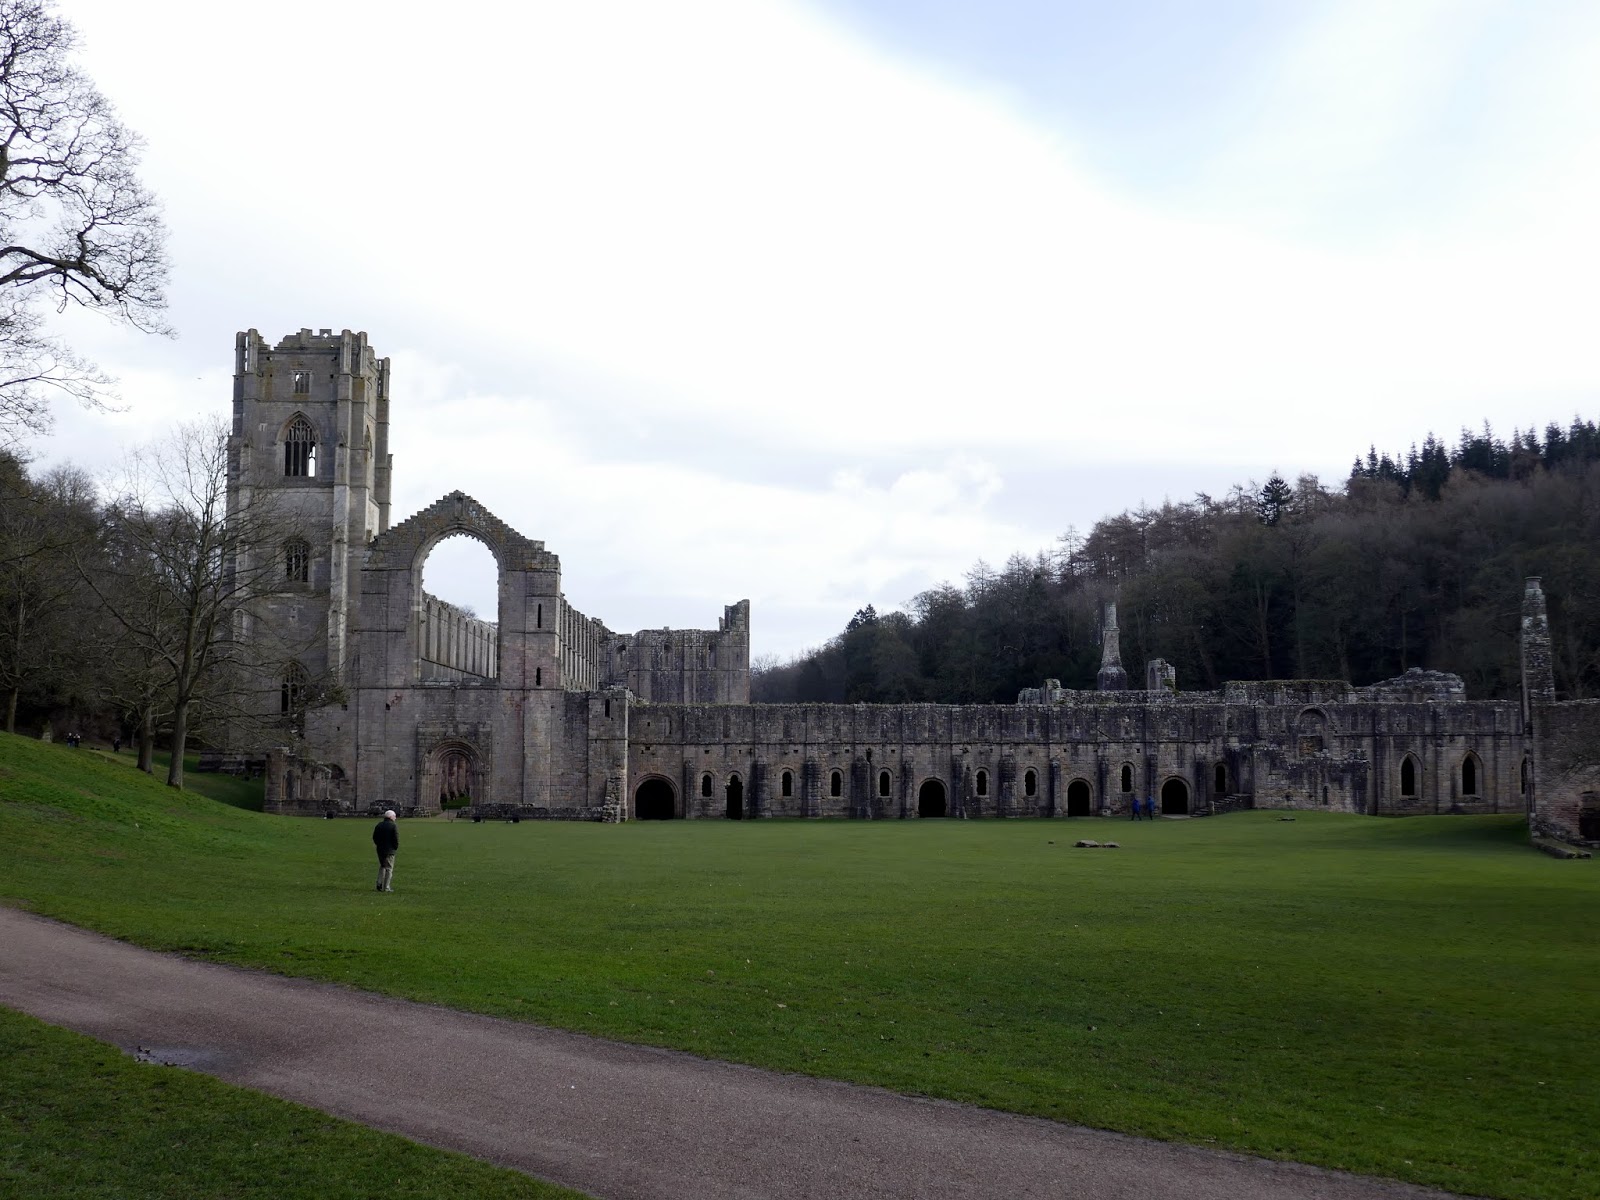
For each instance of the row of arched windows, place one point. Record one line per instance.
(1030, 783)
(1411, 775)
(1470, 778)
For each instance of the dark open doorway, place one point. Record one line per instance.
(654, 801)
(735, 799)
(1079, 801)
(1174, 798)
(930, 799)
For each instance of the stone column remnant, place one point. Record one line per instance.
(1538, 674)
(1111, 677)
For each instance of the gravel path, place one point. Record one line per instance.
(614, 1120)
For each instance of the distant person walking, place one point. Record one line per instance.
(1133, 808)
(1150, 807)
(386, 837)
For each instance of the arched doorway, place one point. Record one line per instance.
(655, 801)
(735, 799)
(930, 799)
(452, 776)
(1174, 798)
(1080, 801)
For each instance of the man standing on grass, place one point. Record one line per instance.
(386, 837)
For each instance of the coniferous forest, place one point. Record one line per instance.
(1417, 560)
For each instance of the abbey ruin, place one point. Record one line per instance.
(383, 696)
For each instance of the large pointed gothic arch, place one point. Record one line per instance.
(529, 591)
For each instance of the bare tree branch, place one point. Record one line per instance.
(76, 225)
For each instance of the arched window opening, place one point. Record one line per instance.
(983, 783)
(297, 560)
(705, 785)
(786, 784)
(300, 450)
(1220, 779)
(735, 799)
(836, 784)
(301, 382)
(1408, 776)
(1469, 775)
(292, 692)
(883, 783)
(1030, 783)
(1127, 777)
(457, 620)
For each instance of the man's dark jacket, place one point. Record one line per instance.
(386, 837)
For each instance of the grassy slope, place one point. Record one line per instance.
(1413, 998)
(79, 1119)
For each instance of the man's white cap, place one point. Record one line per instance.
(390, 814)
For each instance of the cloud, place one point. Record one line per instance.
(724, 301)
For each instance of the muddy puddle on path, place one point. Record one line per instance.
(194, 1058)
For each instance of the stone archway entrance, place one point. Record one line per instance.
(452, 776)
(735, 799)
(655, 801)
(931, 799)
(1174, 798)
(1080, 801)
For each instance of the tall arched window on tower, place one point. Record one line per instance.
(1408, 776)
(292, 692)
(300, 449)
(1469, 775)
(297, 560)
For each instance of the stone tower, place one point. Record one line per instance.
(1111, 677)
(310, 445)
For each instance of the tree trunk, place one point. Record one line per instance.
(11, 709)
(147, 742)
(180, 739)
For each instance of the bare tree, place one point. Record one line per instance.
(76, 225)
(179, 575)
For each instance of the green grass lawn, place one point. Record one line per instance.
(79, 1119)
(1415, 998)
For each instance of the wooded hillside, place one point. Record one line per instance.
(1416, 561)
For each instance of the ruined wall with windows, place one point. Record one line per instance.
(454, 644)
(688, 666)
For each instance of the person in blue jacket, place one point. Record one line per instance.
(1150, 807)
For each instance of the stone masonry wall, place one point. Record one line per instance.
(1566, 767)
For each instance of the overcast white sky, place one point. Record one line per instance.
(819, 303)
